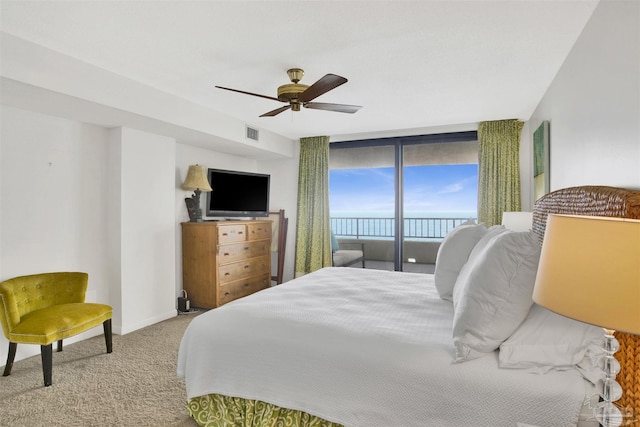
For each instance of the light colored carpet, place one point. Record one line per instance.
(136, 385)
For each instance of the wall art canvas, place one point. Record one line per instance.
(541, 160)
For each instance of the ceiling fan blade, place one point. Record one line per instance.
(276, 111)
(249, 93)
(340, 108)
(324, 85)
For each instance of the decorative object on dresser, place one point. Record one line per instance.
(197, 182)
(589, 271)
(223, 261)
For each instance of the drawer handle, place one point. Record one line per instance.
(246, 248)
(246, 284)
(226, 254)
(226, 274)
(246, 266)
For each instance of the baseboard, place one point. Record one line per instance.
(120, 329)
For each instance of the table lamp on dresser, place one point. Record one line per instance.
(197, 182)
(590, 271)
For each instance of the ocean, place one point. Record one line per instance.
(420, 226)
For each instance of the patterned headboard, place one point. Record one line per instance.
(601, 201)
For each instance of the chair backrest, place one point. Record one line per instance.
(24, 294)
(279, 241)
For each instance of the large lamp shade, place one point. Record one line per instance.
(589, 270)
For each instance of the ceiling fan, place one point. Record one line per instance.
(298, 94)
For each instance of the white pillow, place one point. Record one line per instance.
(478, 249)
(492, 295)
(492, 232)
(452, 255)
(547, 341)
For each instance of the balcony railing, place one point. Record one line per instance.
(384, 228)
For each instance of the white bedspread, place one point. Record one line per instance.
(364, 348)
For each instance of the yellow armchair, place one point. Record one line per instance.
(48, 307)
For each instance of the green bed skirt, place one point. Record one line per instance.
(216, 410)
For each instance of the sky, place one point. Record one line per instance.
(435, 188)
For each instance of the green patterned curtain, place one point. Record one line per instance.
(313, 237)
(498, 169)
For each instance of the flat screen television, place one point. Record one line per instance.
(237, 194)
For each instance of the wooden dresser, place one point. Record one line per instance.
(223, 261)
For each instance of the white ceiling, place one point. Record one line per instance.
(410, 64)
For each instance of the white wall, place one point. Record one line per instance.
(142, 245)
(53, 210)
(593, 104)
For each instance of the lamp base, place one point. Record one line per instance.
(190, 209)
(606, 412)
(608, 415)
(193, 207)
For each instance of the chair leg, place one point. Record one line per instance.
(12, 355)
(108, 335)
(59, 345)
(47, 356)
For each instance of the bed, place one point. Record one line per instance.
(357, 347)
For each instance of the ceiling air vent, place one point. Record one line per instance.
(252, 133)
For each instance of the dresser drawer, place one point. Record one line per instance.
(240, 288)
(259, 231)
(232, 233)
(244, 268)
(240, 251)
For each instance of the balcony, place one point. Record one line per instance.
(422, 238)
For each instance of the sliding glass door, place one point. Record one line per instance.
(440, 192)
(400, 196)
(363, 198)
